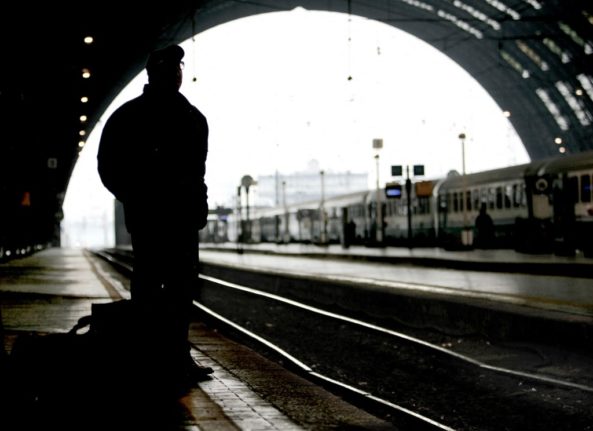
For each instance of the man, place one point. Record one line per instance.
(484, 228)
(152, 157)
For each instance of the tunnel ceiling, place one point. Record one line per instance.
(532, 56)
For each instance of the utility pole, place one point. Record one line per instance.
(397, 171)
(323, 230)
(286, 232)
(466, 236)
(409, 204)
(377, 145)
(247, 181)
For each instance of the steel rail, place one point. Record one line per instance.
(417, 341)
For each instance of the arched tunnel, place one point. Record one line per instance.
(531, 56)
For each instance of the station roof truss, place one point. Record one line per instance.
(534, 57)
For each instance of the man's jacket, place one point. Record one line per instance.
(152, 157)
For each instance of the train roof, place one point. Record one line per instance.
(508, 173)
(541, 167)
(575, 161)
(338, 200)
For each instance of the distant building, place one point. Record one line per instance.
(306, 186)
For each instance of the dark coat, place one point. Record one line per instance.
(152, 157)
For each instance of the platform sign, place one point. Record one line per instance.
(423, 188)
(393, 190)
(418, 170)
(377, 144)
(397, 170)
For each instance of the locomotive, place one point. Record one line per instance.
(538, 207)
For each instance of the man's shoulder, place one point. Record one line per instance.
(192, 108)
(131, 108)
(128, 107)
(198, 113)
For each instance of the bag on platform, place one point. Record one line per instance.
(99, 353)
(99, 372)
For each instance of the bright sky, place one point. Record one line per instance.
(276, 93)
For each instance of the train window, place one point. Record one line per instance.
(476, 198)
(516, 195)
(455, 202)
(499, 197)
(424, 205)
(585, 188)
(572, 188)
(483, 197)
(520, 196)
(491, 198)
(443, 202)
(508, 196)
(468, 200)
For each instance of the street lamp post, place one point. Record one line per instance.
(240, 230)
(323, 230)
(466, 237)
(247, 181)
(409, 205)
(286, 235)
(396, 171)
(379, 229)
(377, 145)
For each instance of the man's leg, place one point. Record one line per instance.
(181, 283)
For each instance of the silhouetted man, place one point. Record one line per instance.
(484, 229)
(152, 157)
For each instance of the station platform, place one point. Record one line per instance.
(49, 291)
(496, 260)
(559, 286)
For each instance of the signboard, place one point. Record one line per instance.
(423, 188)
(377, 144)
(418, 170)
(393, 190)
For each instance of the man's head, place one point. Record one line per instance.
(164, 66)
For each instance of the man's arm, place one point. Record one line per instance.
(111, 158)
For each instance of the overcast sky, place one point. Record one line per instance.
(276, 93)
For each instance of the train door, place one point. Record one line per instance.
(442, 214)
(564, 217)
(540, 199)
(581, 190)
(346, 234)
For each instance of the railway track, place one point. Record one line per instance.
(412, 381)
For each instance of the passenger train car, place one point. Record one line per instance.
(542, 206)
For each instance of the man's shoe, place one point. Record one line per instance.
(198, 372)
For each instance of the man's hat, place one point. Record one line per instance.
(169, 56)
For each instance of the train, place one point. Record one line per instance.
(538, 207)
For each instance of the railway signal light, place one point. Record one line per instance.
(396, 170)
